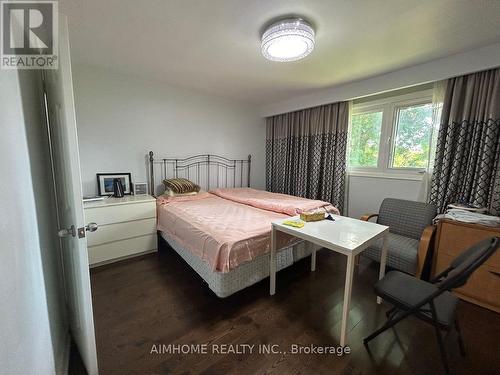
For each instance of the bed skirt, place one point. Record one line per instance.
(249, 273)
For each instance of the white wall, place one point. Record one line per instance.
(31, 327)
(462, 63)
(120, 118)
(366, 193)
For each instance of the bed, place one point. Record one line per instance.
(223, 231)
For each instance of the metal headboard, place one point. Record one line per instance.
(208, 171)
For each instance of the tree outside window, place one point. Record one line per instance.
(393, 134)
(413, 137)
(365, 139)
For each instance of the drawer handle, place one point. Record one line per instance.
(495, 273)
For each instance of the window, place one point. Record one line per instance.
(393, 134)
(365, 139)
(412, 137)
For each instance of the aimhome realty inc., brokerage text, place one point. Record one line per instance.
(166, 349)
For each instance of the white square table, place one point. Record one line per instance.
(346, 236)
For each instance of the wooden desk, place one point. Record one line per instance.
(483, 287)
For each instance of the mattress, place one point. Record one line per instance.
(223, 233)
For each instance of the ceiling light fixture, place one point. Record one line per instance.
(288, 40)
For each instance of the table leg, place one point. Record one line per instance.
(383, 261)
(313, 261)
(272, 263)
(347, 299)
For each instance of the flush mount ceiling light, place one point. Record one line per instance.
(288, 40)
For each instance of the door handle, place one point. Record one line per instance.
(91, 227)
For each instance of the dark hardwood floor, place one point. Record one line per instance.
(159, 299)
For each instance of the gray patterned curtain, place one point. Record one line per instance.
(306, 153)
(467, 163)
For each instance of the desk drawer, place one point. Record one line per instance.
(483, 285)
(120, 213)
(120, 249)
(456, 238)
(121, 231)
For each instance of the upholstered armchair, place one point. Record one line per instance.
(410, 234)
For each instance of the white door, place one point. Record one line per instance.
(60, 107)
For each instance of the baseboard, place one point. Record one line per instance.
(121, 259)
(62, 362)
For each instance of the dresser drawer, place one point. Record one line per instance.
(483, 285)
(121, 231)
(456, 238)
(120, 213)
(120, 249)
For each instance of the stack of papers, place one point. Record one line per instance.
(469, 217)
(294, 223)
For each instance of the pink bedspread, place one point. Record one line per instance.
(222, 232)
(283, 203)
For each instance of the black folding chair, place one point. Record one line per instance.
(432, 301)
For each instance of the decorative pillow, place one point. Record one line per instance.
(180, 185)
(171, 193)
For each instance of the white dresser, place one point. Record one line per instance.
(127, 227)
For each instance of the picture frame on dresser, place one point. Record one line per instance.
(140, 188)
(105, 183)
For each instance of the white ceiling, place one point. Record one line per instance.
(213, 46)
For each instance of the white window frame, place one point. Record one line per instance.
(389, 107)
